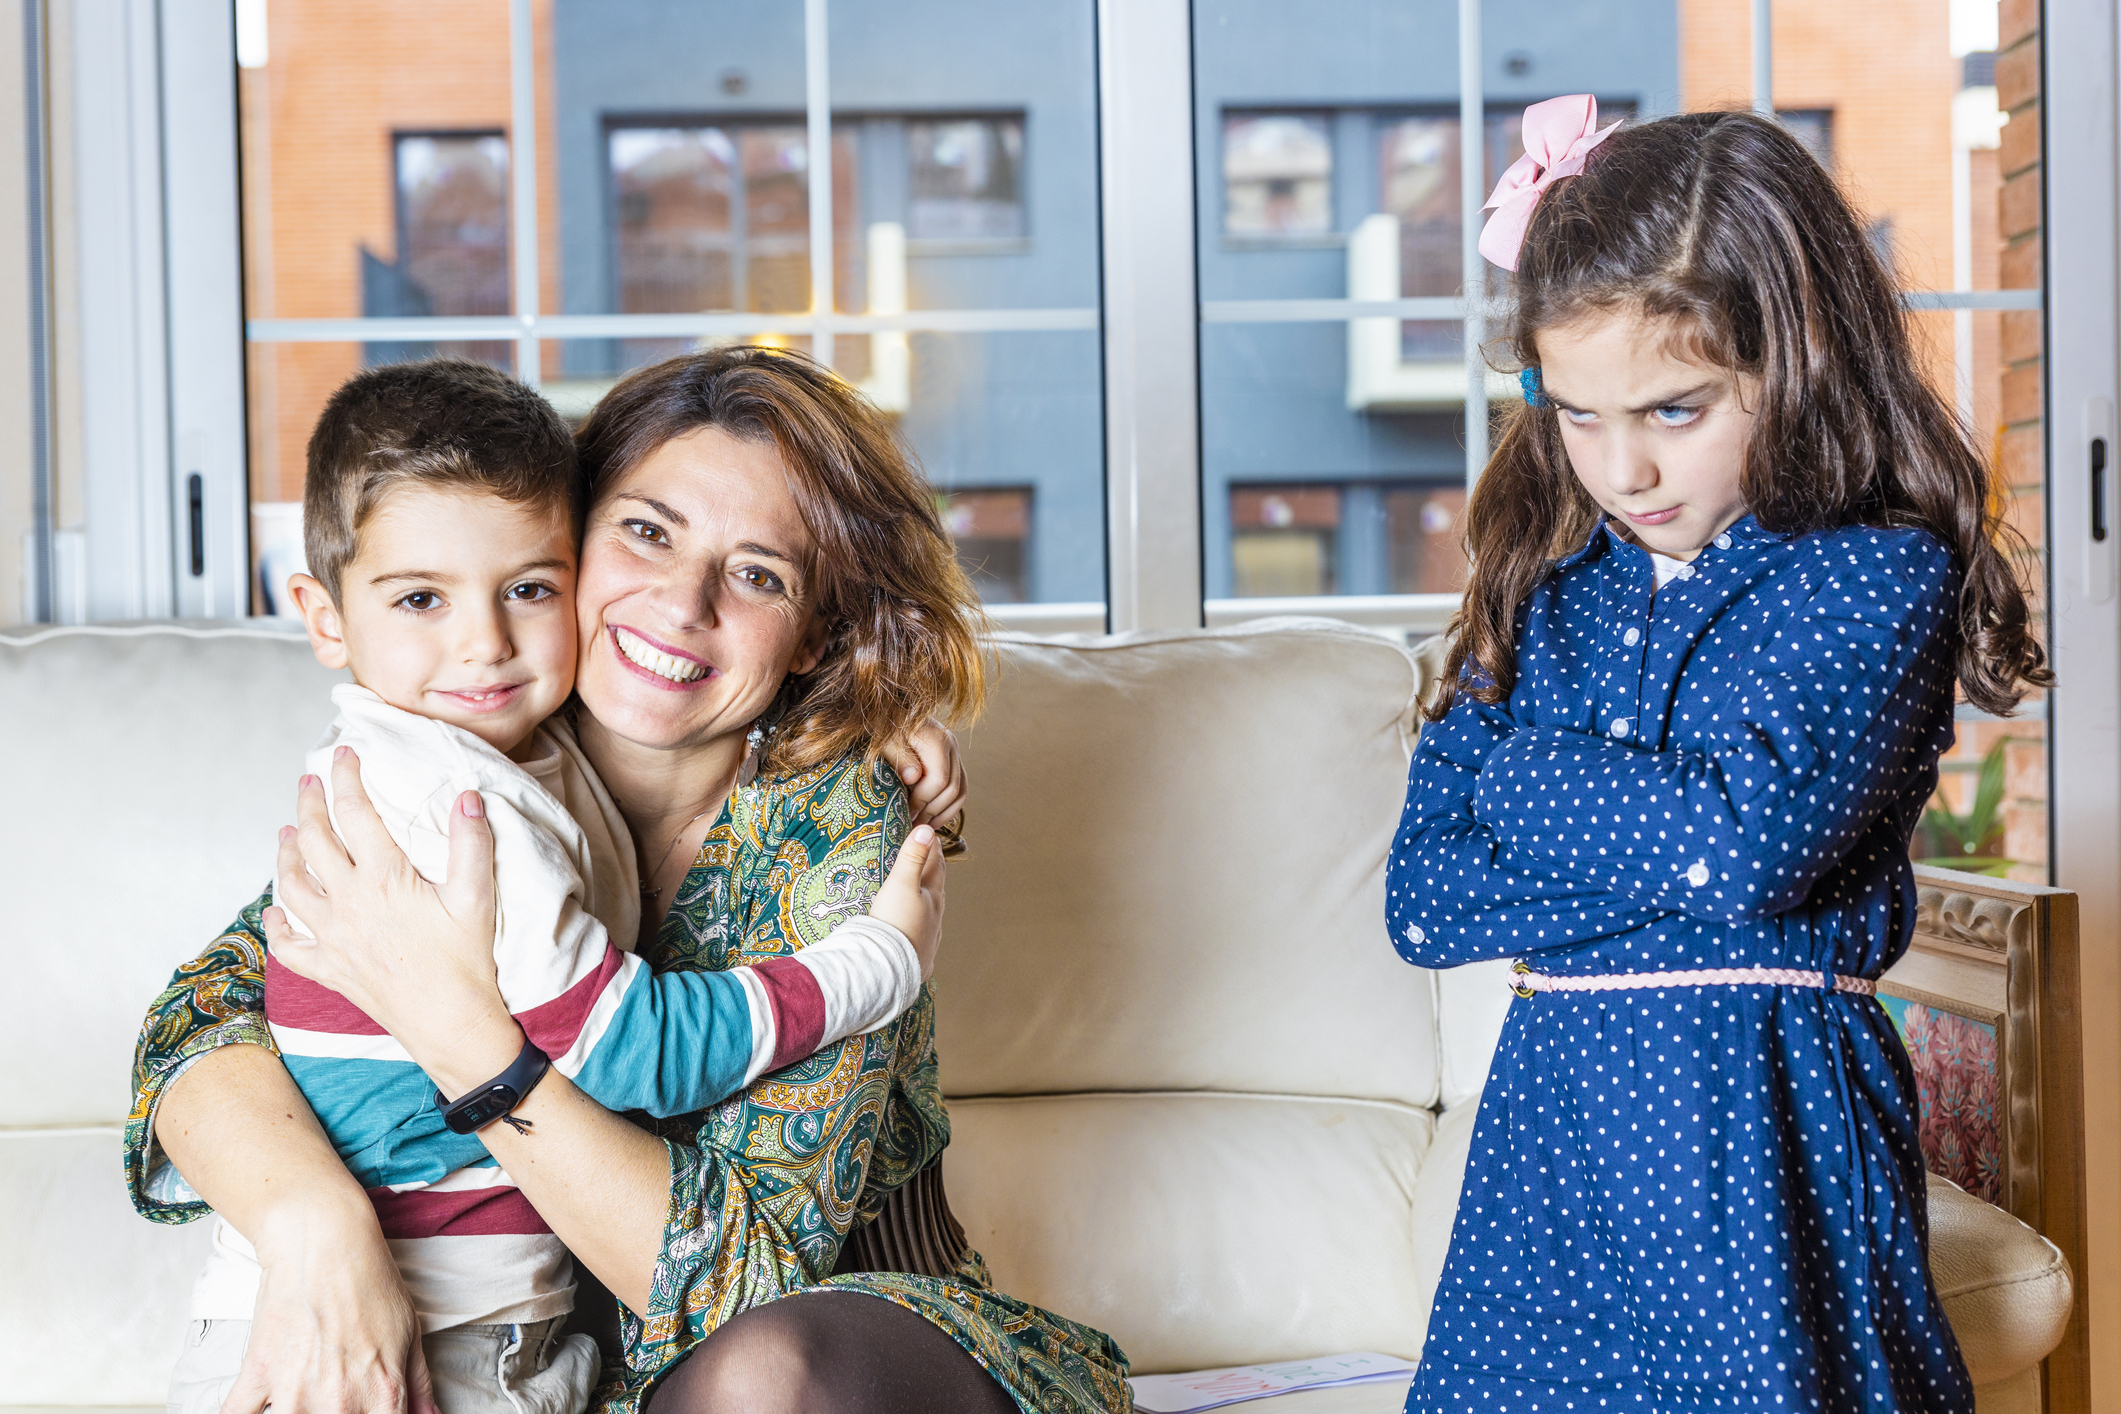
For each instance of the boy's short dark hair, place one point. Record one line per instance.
(439, 422)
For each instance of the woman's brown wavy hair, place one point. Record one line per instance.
(901, 619)
(1724, 226)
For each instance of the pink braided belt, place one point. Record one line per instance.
(1525, 982)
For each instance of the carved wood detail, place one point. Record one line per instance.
(2029, 933)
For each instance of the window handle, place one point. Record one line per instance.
(2098, 488)
(196, 487)
(2099, 547)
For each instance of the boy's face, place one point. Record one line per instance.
(458, 606)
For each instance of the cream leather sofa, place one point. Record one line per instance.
(1198, 1100)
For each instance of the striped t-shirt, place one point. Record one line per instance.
(470, 1246)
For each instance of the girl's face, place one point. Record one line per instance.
(692, 598)
(1658, 441)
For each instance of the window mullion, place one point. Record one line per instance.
(523, 184)
(817, 94)
(1152, 346)
(1472, 181)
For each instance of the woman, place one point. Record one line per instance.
(750, 513)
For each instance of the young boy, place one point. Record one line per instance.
(441, 518)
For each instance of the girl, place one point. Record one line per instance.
(1728, 561)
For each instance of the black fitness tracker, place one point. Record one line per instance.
(479, 1107)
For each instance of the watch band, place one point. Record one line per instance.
(481, 1106)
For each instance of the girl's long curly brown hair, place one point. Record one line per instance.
(1723, 225)
(902, 621)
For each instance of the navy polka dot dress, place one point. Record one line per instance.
(1703, 1197)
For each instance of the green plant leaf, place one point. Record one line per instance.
(1950, 825)
(1988, 795)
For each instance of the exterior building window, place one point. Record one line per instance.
(1277, 174)
(1283, 539)
(1424, 540)
(714, 217)
(452, 238)
(1355, 537)
(965, 179)
(992, 532)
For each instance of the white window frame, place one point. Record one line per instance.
(2081, 70)
(155, 117)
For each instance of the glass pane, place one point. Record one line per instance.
(674, 178)
(375, 177)
(375, 183)
(1338, 177)
(973, 133)
(1933, 131)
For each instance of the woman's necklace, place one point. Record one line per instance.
(649, 892)
(754, 742)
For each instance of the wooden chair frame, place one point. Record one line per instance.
(2005, 954)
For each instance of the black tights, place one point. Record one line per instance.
(840, 1351)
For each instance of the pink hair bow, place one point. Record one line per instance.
(1558, 135)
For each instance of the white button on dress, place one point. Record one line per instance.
(1415, 935)
(1621, 726)
(1698, 875)
(1723, 541)
(1632, 637)
(1685, 572)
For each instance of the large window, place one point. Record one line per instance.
(575, 189)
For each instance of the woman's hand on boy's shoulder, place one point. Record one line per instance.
(934, 773)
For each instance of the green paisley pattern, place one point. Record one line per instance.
(217, 999)
(765, 1186)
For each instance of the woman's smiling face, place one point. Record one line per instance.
(693, 594)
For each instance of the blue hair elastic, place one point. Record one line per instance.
(1528, 382)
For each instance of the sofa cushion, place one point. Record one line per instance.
(123, 855)
(1176, 877)
(92, 1300)
(2005, 1288)
(1201, 1230)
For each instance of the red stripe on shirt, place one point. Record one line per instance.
(468, 1212)
(552, 1026)
(295, 1001)
(798, 1008)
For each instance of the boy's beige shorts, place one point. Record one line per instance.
(532, 1369)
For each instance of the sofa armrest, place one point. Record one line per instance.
(2006, 1289)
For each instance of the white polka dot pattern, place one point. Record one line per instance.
(1692, 1197)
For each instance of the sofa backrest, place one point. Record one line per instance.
(145, 773)
(1192, 1085)
(1175, 877)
